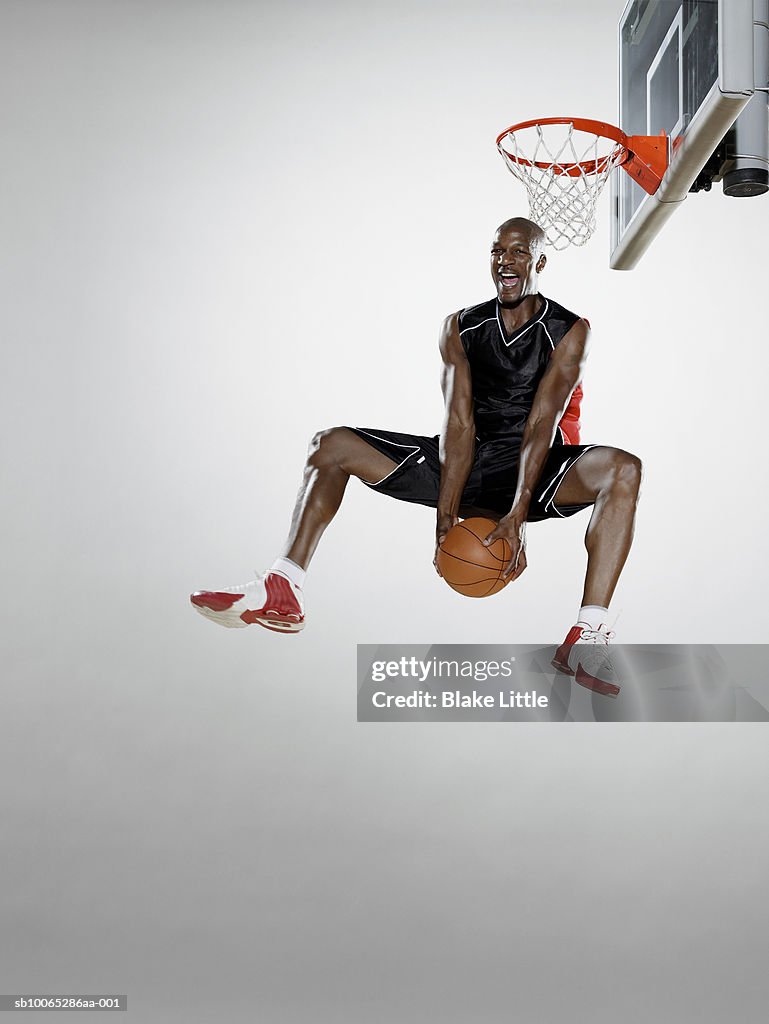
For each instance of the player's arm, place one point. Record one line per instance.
(457, 442)
(563, 374)
(555, 389)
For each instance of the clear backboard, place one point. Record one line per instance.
(690, 68)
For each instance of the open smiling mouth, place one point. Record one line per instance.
(508, 280)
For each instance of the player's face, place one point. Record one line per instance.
(515, 264)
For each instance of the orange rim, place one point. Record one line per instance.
(583, 124)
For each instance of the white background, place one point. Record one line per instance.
(225, 226)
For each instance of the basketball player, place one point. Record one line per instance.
(509, 449)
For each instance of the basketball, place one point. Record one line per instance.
(467, 565)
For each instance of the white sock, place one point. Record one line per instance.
(593, 616)
(289, 569)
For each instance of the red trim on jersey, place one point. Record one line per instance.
(570, 424)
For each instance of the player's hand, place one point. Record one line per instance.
(445, 522)
(511, 528)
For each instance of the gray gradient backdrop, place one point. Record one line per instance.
(224, 226)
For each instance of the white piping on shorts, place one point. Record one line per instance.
(555, 482)
(384, 440)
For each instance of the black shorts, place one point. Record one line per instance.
(492, 482)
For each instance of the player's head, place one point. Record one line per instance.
(517, 258)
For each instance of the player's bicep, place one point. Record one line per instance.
(456, 378)
(564, 372)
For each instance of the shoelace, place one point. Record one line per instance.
(597, 636)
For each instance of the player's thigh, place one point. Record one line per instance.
(593, 472)
(342, 447)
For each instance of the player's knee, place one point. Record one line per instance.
(627, 471)
(325, 447)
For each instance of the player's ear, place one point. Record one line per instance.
(541, 263)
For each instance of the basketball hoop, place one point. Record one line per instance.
(564, 163)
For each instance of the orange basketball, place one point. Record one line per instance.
(467, 565)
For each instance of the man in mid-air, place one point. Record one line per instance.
(509, 449)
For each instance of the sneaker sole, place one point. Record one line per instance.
(228, 620)
(275, 623)
(561, 667)
(235, 620)
(599, 686)
(595, 685)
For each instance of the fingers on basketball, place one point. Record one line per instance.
(516, 567)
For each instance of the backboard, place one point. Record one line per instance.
(686, 67)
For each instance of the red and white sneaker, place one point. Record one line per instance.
(271, 600)
(584, 654)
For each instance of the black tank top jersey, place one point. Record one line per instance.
(507, 369)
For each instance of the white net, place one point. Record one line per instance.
(563, 169)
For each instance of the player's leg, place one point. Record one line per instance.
(334, 456)
(610, 480)
(274, 600)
